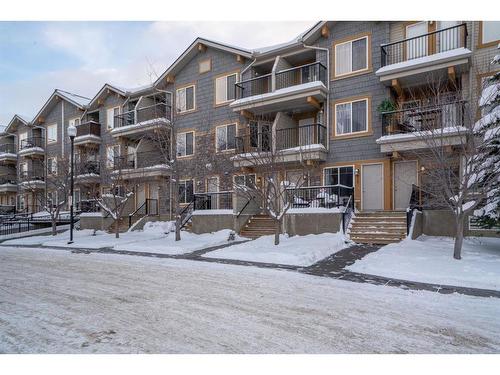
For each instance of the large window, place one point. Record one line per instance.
(351, 56)
(112, 154)
(245, 180)
(185, 144)
(52, 133)
(186, 191)
(351, 117)
(110, 116)
(224, 88)
(490, 32)
(340, 176)
(185, 99)
(52, 166)
(225, 137)
(22, 137)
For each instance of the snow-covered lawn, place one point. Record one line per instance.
(297, 250)
(155, 238)
(429, 259)
(59, 302)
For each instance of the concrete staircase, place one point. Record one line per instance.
(379, 227)
(257, 226)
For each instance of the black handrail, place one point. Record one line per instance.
(424, 45)
(245, 206)
(32, 142)
(301, 74)
(347, 213)
(328, 196)
(8, 148)
(88, 128)
(413, 204)
(304, 135)
(152, 112)
(213, 200)
(186, 213)
(147, 209)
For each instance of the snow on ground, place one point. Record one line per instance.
(297, 250)
(429, 259)
(155, 238)
(54, 301)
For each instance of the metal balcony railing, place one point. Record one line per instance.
(221, 200)
(8, 179)
(140, 160)
(300, 136)
(7, 148)
(329, 196)
(88, 128)
(425, 45)
(153, 112)
(90, 167)
(35, 175)
(32, 142)
(424, 118)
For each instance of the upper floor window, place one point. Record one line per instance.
(52, 133)
(490, 32)
(351, 117)
(225, 137)
(224, 88)
(110, 116)
(186, 191)
(74, 121)
(185, 144)
(204, 66)
(112, 153)
(351, 56)
(245, 180)
(185, 99)
(22, 137)
(51, 166)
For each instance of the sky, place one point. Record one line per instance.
(38, 57)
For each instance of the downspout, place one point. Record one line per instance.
(62, 128)
(327, 87)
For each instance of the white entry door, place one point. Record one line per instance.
(417, 47)
(140, 195)
(212, 187)
(372, 187)
(405, 175)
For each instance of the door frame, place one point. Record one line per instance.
(383, 185)
(394, 178)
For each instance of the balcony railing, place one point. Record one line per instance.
(7, 148)
(425, 45)
(8, 179)
(87, 168)
(140, 160)
(222, 200)
(88, 128)
(301, 136)
(286, 78)
(32, 142)
(156, 111)
(256, 142)
(36, 175)
(330, 196)
(424, 118)
(88, 205)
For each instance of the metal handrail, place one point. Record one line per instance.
(144, 205)
(427, 34)
(245, 206)
(301, 66)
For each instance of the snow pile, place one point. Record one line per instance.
(159, 227)
(429, 259)
(297, 250)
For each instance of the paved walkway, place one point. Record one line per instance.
(333, 266)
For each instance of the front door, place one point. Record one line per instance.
(141, 195)
(372, 187)
(405, 175)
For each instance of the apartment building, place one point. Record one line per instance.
(342, 99)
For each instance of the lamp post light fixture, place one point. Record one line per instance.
(72, 135)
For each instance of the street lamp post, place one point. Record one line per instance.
(72, 135)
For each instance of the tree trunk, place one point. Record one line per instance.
(459, 237)
(54, 227)
(277, 232)
(178, 228)
(117, 228)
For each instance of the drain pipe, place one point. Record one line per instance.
(327, 112)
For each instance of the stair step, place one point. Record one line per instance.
(378, 241)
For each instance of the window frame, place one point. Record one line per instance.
(193, 85)
(217, 138)
(108, 110)
(176, 144)
(49, 140)
(183, 182)
(350, 40)
(209, 60)
(366, 132)
(52, 171)
(481, 42)
(323, 177)
(111, 163)
(224, 76)
(245, 176)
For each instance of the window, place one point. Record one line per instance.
(185, 98)
(23, 169)
(351, 117)
(490, 32)
(52, 133)
(112, 152)
(351, 56)
(110, 116)
(225, 137)
(74, 122)
(204, 66)
(186, 192)
(52, 199)
(224, 88)
(185, 144)
(22, 137)
(20, 202)
(52, 166)
(340, 176)
(245, 180)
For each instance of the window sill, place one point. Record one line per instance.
(185, 112)
(352, 135)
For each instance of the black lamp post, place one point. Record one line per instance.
(72, 135)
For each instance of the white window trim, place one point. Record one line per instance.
(338, 167)
(244, 175)
(235, 135)
(200, 71)
(111, 163)
(225, 78)
(54, 140)
(487, 42)
(194, 98)
(22, 136)
(351, 132)
(336, 75)
(194, 144)
(108, 110)
(184, 182)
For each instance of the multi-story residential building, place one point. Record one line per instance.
(344, 99)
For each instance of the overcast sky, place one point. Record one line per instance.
(37, 57)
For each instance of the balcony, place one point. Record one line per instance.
(34, 179)
(88, 133)
(141, 165)
(442, 52)
(87, 171)
(8, 183)
(33, 146)
(302, 87)
(307, 142)
(134, 124)
(8, 153)
(420, 127)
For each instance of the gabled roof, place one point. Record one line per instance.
(191, 51)
(75, 99)
(15, 118)
(103, 90)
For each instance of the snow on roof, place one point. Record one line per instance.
(452, 130)
(298, 39)
(82, 101)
